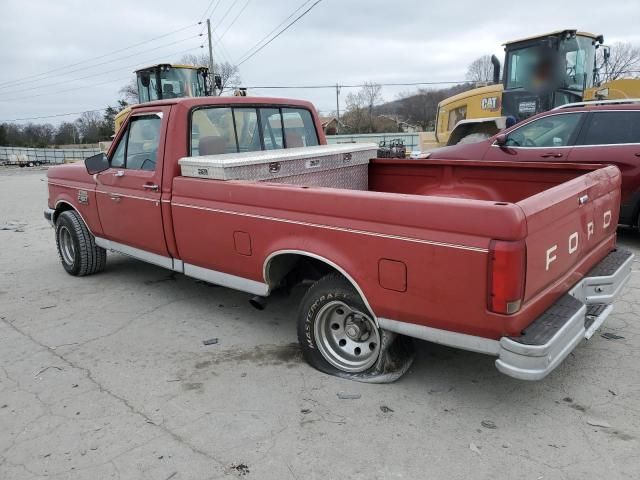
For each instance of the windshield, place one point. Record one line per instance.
(174, 83)
(539, 66)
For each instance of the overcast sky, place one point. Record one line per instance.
(348, 41)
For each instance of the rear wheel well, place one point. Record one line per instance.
(288, 269)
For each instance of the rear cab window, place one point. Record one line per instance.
(219, 130)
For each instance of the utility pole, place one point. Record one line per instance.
(212, 75)
(338, 108)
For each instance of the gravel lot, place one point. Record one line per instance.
(107, 377)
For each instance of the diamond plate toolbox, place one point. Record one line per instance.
(339, 166)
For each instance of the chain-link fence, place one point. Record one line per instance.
(43, 156)
(411, 140)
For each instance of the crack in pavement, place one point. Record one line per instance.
(176, 437)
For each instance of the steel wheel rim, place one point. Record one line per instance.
(347, 338)
(67, 249)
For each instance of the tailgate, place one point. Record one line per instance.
(567, 225)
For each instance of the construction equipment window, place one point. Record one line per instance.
(456, 115)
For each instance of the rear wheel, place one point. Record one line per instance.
(339, 336)
(77, 248)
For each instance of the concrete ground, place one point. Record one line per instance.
(107, 377)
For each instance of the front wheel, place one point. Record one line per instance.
(77, 247)
(339, 336)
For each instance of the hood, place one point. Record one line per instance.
(69, 171)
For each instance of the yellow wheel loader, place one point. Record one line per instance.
(540, 73)
(168, 81)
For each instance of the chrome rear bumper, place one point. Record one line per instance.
(577, 315)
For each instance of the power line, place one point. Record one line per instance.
(281, 32)
(136, 65)
(359, 85)
(19, 80)
(100, 64)
(53, 116)
(233, 4)
(300, 7)
(235, 19)
(204, 14)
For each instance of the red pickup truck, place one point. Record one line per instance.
(515, 260)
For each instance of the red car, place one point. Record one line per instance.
(589, 132)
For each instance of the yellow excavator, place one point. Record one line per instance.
(168, 81)
(540, 73)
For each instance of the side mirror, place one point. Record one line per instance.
(501, 139)
(96, 164)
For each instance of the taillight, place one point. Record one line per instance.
(506, 275)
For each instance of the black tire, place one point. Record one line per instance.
(390, 358)
(77, 248)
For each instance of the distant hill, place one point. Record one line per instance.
(420, 108)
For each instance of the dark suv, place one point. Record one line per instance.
(588, 132)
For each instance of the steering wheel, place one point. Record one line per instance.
(529, 143)
(151, 162)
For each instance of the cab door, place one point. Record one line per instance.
(549, 138)
(128, 193)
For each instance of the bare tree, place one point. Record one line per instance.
(624, 61)
(360, 108)
(229, 73)
(480, 70)
(88, 126)
(129, 92)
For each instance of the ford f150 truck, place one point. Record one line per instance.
(514, 260)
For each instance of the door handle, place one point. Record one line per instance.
(554, 155)
(114, 197)
(149, 186)
(119, 173)
(638, 154)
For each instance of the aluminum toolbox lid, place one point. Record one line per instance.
(267, 156)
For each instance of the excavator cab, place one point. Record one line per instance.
(547, 71)
(171, 81)
(164, 80)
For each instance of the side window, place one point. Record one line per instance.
(299, 129)
(610, 128)
(247, 129)
(212, 132)
(117, 160)
(142, 143)
(271, 128)
(138, 146)
(551, 131)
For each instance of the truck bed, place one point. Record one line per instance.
(418, 238)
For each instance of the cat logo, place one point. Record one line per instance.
(489, 103)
